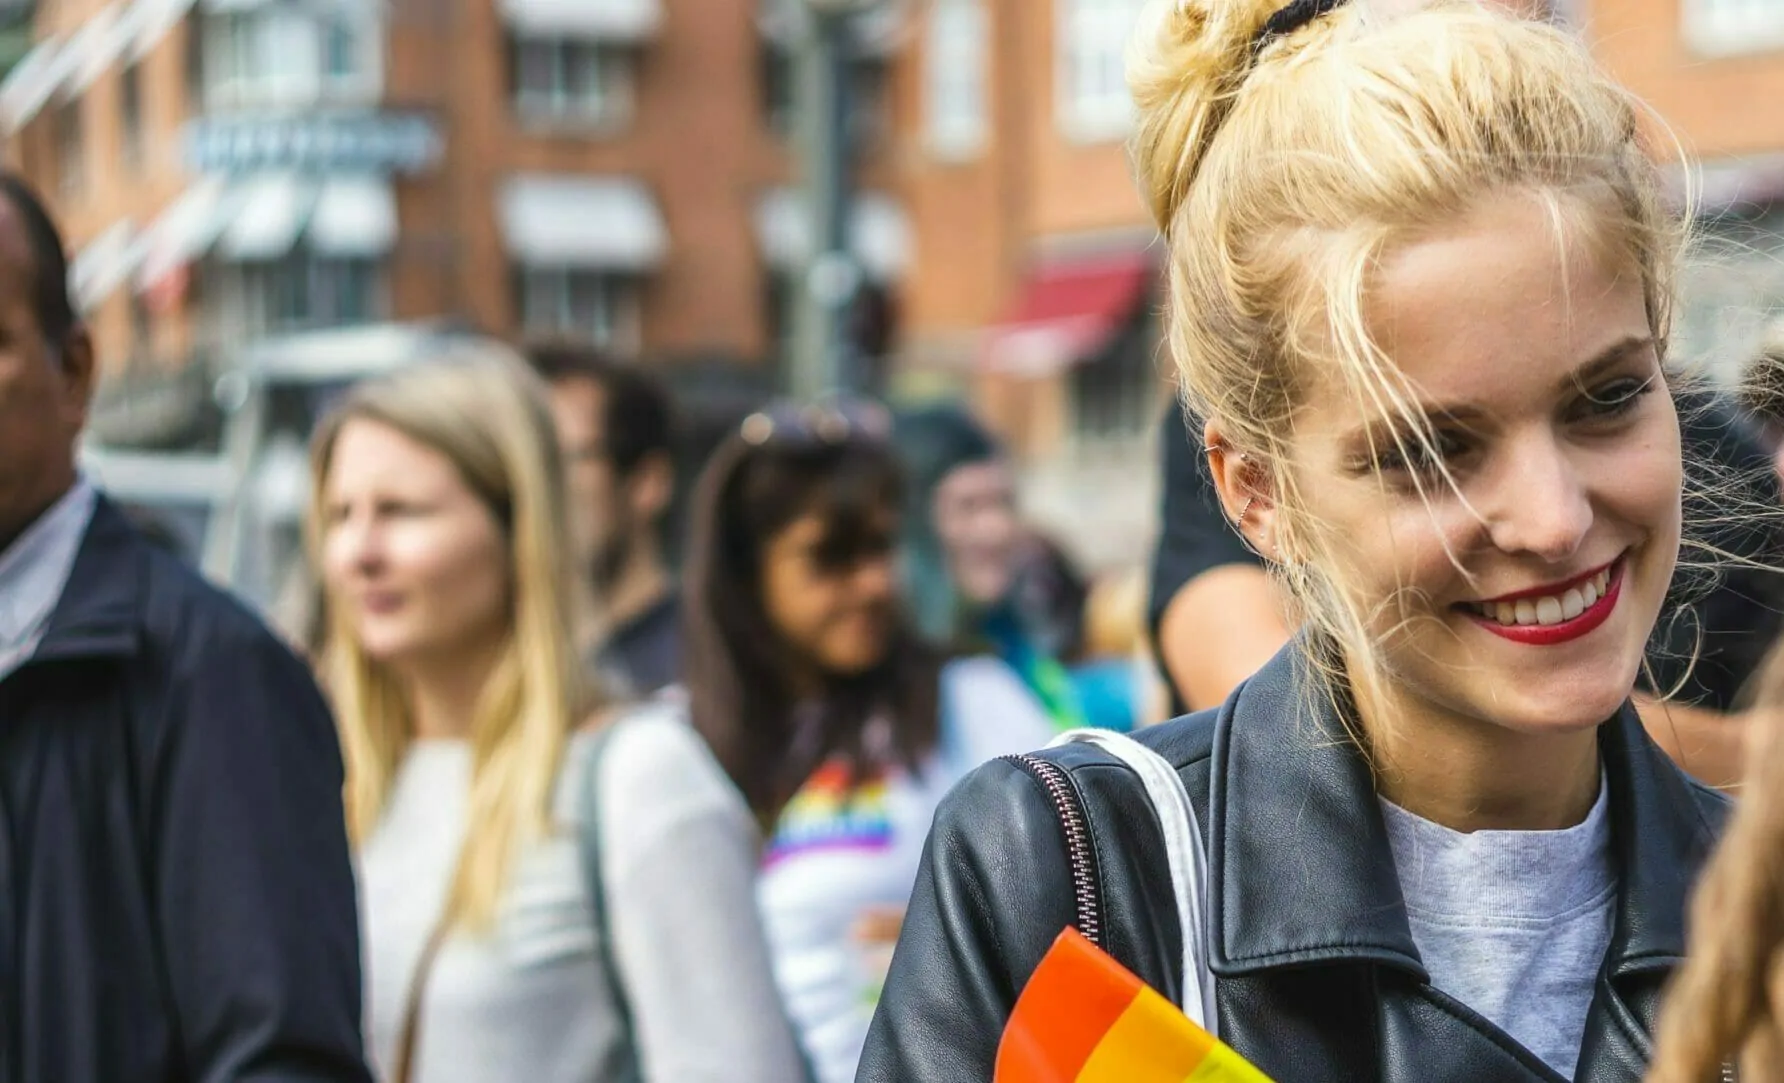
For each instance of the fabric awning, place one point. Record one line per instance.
(32, 82)
(607, 20)
(101, 40)
(274, 209)
(99, 268)
(186, 230)
(355, 216)
(1066, 311)
(601, 222)
(153, 19)
(879, 233)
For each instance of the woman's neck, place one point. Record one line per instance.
(1470, 775)
(444, 693)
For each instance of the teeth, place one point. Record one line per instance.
(1551, 610)
(1572, 605)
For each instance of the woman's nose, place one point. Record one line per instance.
(1543, 506)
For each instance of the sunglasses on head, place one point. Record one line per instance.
(828, 422)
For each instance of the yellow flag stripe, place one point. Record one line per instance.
(1222, 1065)
(1151, 1042)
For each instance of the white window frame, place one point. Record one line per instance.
(1092, 101)
(547, 305)
(251, 284)
(240, 74)
(956, 78)
(609, 109)
(1730, 27)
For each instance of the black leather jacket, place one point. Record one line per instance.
(1317, 977)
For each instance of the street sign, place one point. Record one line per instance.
(369, 142)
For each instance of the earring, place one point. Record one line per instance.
(1239, 520)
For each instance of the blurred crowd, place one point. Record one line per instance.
(539, 780)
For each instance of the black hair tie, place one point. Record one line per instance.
(1290, 19)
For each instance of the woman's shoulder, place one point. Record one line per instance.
(647, 755)
(987, 710)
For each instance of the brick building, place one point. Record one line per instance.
(1034, 266)
(1708, 68)
(232, 169)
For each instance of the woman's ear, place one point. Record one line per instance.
(1244, 485)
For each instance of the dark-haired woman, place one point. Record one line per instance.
(842, 730)
(981, 579)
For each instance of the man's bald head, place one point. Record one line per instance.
(47, 368)
(48, 270)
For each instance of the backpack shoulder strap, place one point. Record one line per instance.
(1186, 855)
(589, 796)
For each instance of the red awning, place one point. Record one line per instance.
(1067, 311)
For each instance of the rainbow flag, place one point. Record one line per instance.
(1085, 1018)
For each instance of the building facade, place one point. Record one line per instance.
(614, 170)
(1707, 67)
(1035, 267)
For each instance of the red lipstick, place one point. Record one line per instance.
(1548, 635)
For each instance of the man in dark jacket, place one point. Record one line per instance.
(176, 899)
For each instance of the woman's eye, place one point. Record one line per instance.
(1421, 457)
(1614, 399)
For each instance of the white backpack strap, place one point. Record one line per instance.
(1186, 856)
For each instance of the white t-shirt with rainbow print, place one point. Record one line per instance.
(840, 854)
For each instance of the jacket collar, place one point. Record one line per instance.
(1303, 870)
(100, 612)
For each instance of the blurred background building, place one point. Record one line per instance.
(332, 183)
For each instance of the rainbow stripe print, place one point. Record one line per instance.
(1084, 1018)
(829, 814)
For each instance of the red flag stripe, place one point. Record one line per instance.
(1065, 1011)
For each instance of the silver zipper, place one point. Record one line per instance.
(1076, 828)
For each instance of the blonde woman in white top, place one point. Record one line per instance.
(438, 526)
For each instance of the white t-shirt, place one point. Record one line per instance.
(1513, 924)
(528, 1001)
(838, 854)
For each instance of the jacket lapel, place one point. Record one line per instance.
(1304, 874)
(100, 612)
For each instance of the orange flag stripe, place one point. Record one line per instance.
(1061, 1017)
(1148, 1044)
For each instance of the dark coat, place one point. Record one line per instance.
(176, 897)
(1316, 975)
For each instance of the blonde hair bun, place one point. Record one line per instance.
(1186, 63)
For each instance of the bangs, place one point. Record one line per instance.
(858, 497)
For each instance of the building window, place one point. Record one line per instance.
(561, 81)
(955, 59)
(130, 115)
(1094, 102)
(142, 327)
(1733, 26)
(780, 80)
(305, 290)
(1116, 395)
(278, 56)
(71, 147)
(598, 306)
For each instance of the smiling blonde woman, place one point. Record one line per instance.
(487, 842)
(1418, 282)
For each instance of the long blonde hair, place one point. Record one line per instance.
(1726, 1004)
(1282, 169)
(488, 414)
